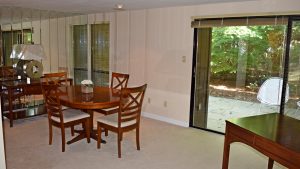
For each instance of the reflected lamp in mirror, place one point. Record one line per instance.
(28, 60)
(28, 52)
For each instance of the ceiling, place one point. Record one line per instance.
(17, 11)
(93, 6)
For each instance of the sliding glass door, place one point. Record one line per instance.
(91, 53)
(234, 57)
(292, 107)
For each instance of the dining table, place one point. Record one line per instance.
(101, 97)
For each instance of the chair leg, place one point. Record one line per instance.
(72, 130)
(63, 138)
(270, 163)
(119, 144)
(106, 132)
(137, 138)
(50, 133)
(99, 131)
(87, 130)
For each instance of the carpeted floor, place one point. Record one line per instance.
(163, 146)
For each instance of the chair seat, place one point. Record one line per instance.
(112, 120)
(108, 111)
(71, 115)
(64, 107)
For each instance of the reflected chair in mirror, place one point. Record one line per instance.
(62, 118)
(8, 73)
(270, 92)
(127, 118)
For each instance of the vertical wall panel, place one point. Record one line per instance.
(45, 42)
(36, 32)
(123, 40)
(137, 47)
(53, 45)
(62, 54)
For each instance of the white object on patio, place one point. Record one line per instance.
(270, 92)
(298, 104)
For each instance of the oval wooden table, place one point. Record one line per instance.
(102, 97)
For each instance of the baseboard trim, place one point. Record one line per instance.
(165, 119)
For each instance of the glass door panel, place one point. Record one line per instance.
(242, 59)
(80, 48)
(100, 53)
(293, 105)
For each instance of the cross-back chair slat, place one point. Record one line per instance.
(59, 78)
(119, 80)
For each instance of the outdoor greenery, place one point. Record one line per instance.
(256, 51)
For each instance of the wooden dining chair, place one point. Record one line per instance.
(118, 81)
(61, 79)
(127, 118)
(62, 118)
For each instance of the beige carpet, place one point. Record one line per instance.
(163, 146)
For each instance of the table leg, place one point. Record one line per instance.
(10, 111)
(226, 151)
(82, 134)
(270, 163)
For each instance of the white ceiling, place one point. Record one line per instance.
(93, 6)
(16, 11)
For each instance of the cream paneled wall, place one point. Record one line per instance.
(169, 78)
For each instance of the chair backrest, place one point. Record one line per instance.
(270, 91)
(119, 80)
(51, 95)
(131, 101)
(59, 78)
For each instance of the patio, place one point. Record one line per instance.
(221, 109)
